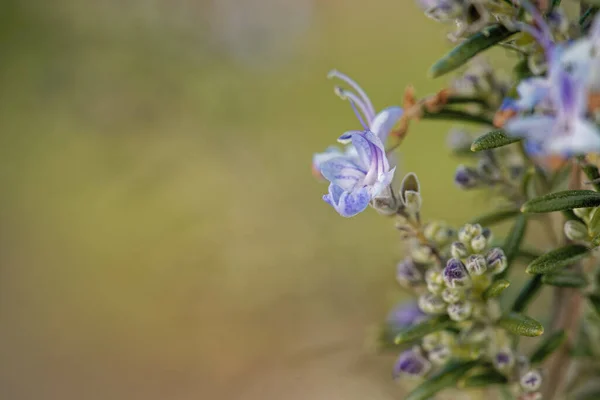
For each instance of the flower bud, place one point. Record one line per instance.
(467, 178)
(422, 254)
(407, 273)
(583, 213)
(464, 235)
(476, 264)
(452, 296)
(459, 250)
(456, 275)
(486, 169)
(531, 381)
(503, 360)
(439, 355)
(386, 203)
(413, 201)
(479, 243)
(477, 333)
(434, 279)
(405, 315)
(431, 303)
(459, 311)
(431, 341)
(575, 230)
(443, 236)
(411, 363)
(496, 260)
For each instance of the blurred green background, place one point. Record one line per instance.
(161, 234)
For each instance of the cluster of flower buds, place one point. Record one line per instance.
(587, 229)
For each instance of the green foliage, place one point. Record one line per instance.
(468, 49)
(558, 259)
(527, 293)
(484, 378)
(565, 200)
(513, 241)
(565, 279)
(492, 140)
(446, 378)
(521, 325)
(496, 289)
(496, 217)
(424, 328)
(548, 346)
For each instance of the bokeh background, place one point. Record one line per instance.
(161, 234)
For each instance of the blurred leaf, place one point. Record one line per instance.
(528, 254)
(496, 288)
(561, 177)
(447, 377)
(591, 172)
(548, 346)
(496, 216)
(592, 394)
(468, 49)
(557, 259)
(450, 114)
(595, 302)
(530, 289)
(513, 242)
(565, 279)
(423, 328)
(492, 140)
(505, 393)
(565, 200)
(521, 325)
(482, 379)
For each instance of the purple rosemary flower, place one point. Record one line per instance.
(455, 274)
(405, 315)
(411, 363)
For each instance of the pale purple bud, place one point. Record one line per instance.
(503, 360)
(456, 275)
(531, 381)
(431, 303)
(460, 311)
(496, 260)
(476, 264)
(467, 178)
(405, 315)
(407, 273)
(411, 363)
(459, 250)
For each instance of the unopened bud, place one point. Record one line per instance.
(503, 360)
(422, 254)
(459, 250)
(456, 275)
(439, 355)
(451, 295)
(531, 381)
(583, 213)
(434, 280)
(496, 260)
(467, 178)
(407, 273)
(479, 243)
(431, 303)
(412, 363)
(413, 201)
(459, 311)
(476, 264)
(575, 230)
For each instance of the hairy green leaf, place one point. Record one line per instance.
(565, 200)
(447, 377)
(496, 216)
(468, 49)
(529, 291)
(424, 328)
(557, 259)
(565, 279)
(496, 289)
(548, 346)
(492, 140)
(521, 325)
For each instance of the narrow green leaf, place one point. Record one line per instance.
(557, 259)
(482, 379)
(513, 242)
(468, 49)
(492, 140)
(521, 325)
(496, 217)
(447, 377)
(565, 200)
(565, 279)
(529, 291)
(424, 328)
(595, 302)
(451, 114)
(548, 346)
(496, 289)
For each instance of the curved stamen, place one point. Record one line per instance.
(369, 106)
(362, 122)
(353, 98)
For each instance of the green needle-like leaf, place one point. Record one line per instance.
(565, 279)
(565, 200)
(496, 289)
(521, 325)
(424, 328)
(548, 346)
(557, 259)
(447, 377)
(513, 242)
(482, 379)
(468, 49)
(492, 140)
(529, 291)
(496, 217)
